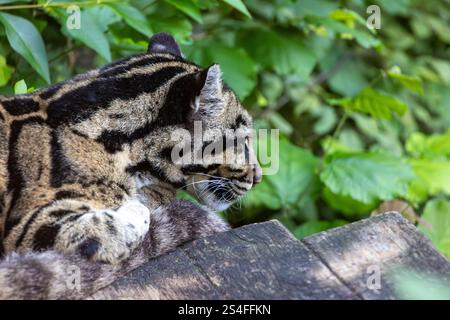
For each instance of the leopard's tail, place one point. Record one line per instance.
(53, 275)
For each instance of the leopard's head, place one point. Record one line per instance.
(217, 158)
(228, 167)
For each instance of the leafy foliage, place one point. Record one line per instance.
(413, 285)
(366, 177)
(26, 40)
(364, 114)
(437, 214)
(413, 83)
(374, 103)
(295, 179)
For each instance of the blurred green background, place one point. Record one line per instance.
(364, 114)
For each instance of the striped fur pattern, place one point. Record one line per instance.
(86, 164)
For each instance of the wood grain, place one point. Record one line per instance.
(264, 261)
(388, 243)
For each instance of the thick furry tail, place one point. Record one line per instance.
(53, 275)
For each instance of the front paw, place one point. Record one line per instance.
(157, 196)
(106, 235)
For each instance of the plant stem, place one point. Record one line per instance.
(65, 52)
(337, 131)
(55, 4)
(340, 125)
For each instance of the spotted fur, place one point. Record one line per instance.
(53, 275)
(85, 166)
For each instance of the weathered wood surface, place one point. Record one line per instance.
(264, 261)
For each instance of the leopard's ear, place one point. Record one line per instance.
(164, 43)
(208, 101)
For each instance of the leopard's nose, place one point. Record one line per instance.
(257, 174)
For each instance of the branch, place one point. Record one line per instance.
(55, 4)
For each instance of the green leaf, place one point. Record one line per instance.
(104, 16)
(331, 145)
(129, 44)
(26, 40)
(410, 82)
(133, 17)
(352, 139)
(279, 122)
(326, 119)
(312, 227)
(20, 87)
(188, 7)
(284, 54)
(442, 67)
(305, 8)
(181, 29)
(295, 179)
(440, 27)
(296, 173)
(364, 38)
(349, 207)
(437, 224)
(436, 146)
(370, 101)
(239, 70)
(384, 133)
(399, 7)
(432, 178)
(239, 5)
(90, 33)
(347, 16)
(5, 71)
(349, 80)
(262, 195)
(347, 77)
(366, 177)
(12, 1)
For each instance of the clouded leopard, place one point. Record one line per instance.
(87, 173)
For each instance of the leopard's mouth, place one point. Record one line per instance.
(219, 193)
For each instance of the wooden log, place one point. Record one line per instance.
(264, 261)
(386, 243)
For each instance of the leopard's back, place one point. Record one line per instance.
(72, 138)
(24, 152)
